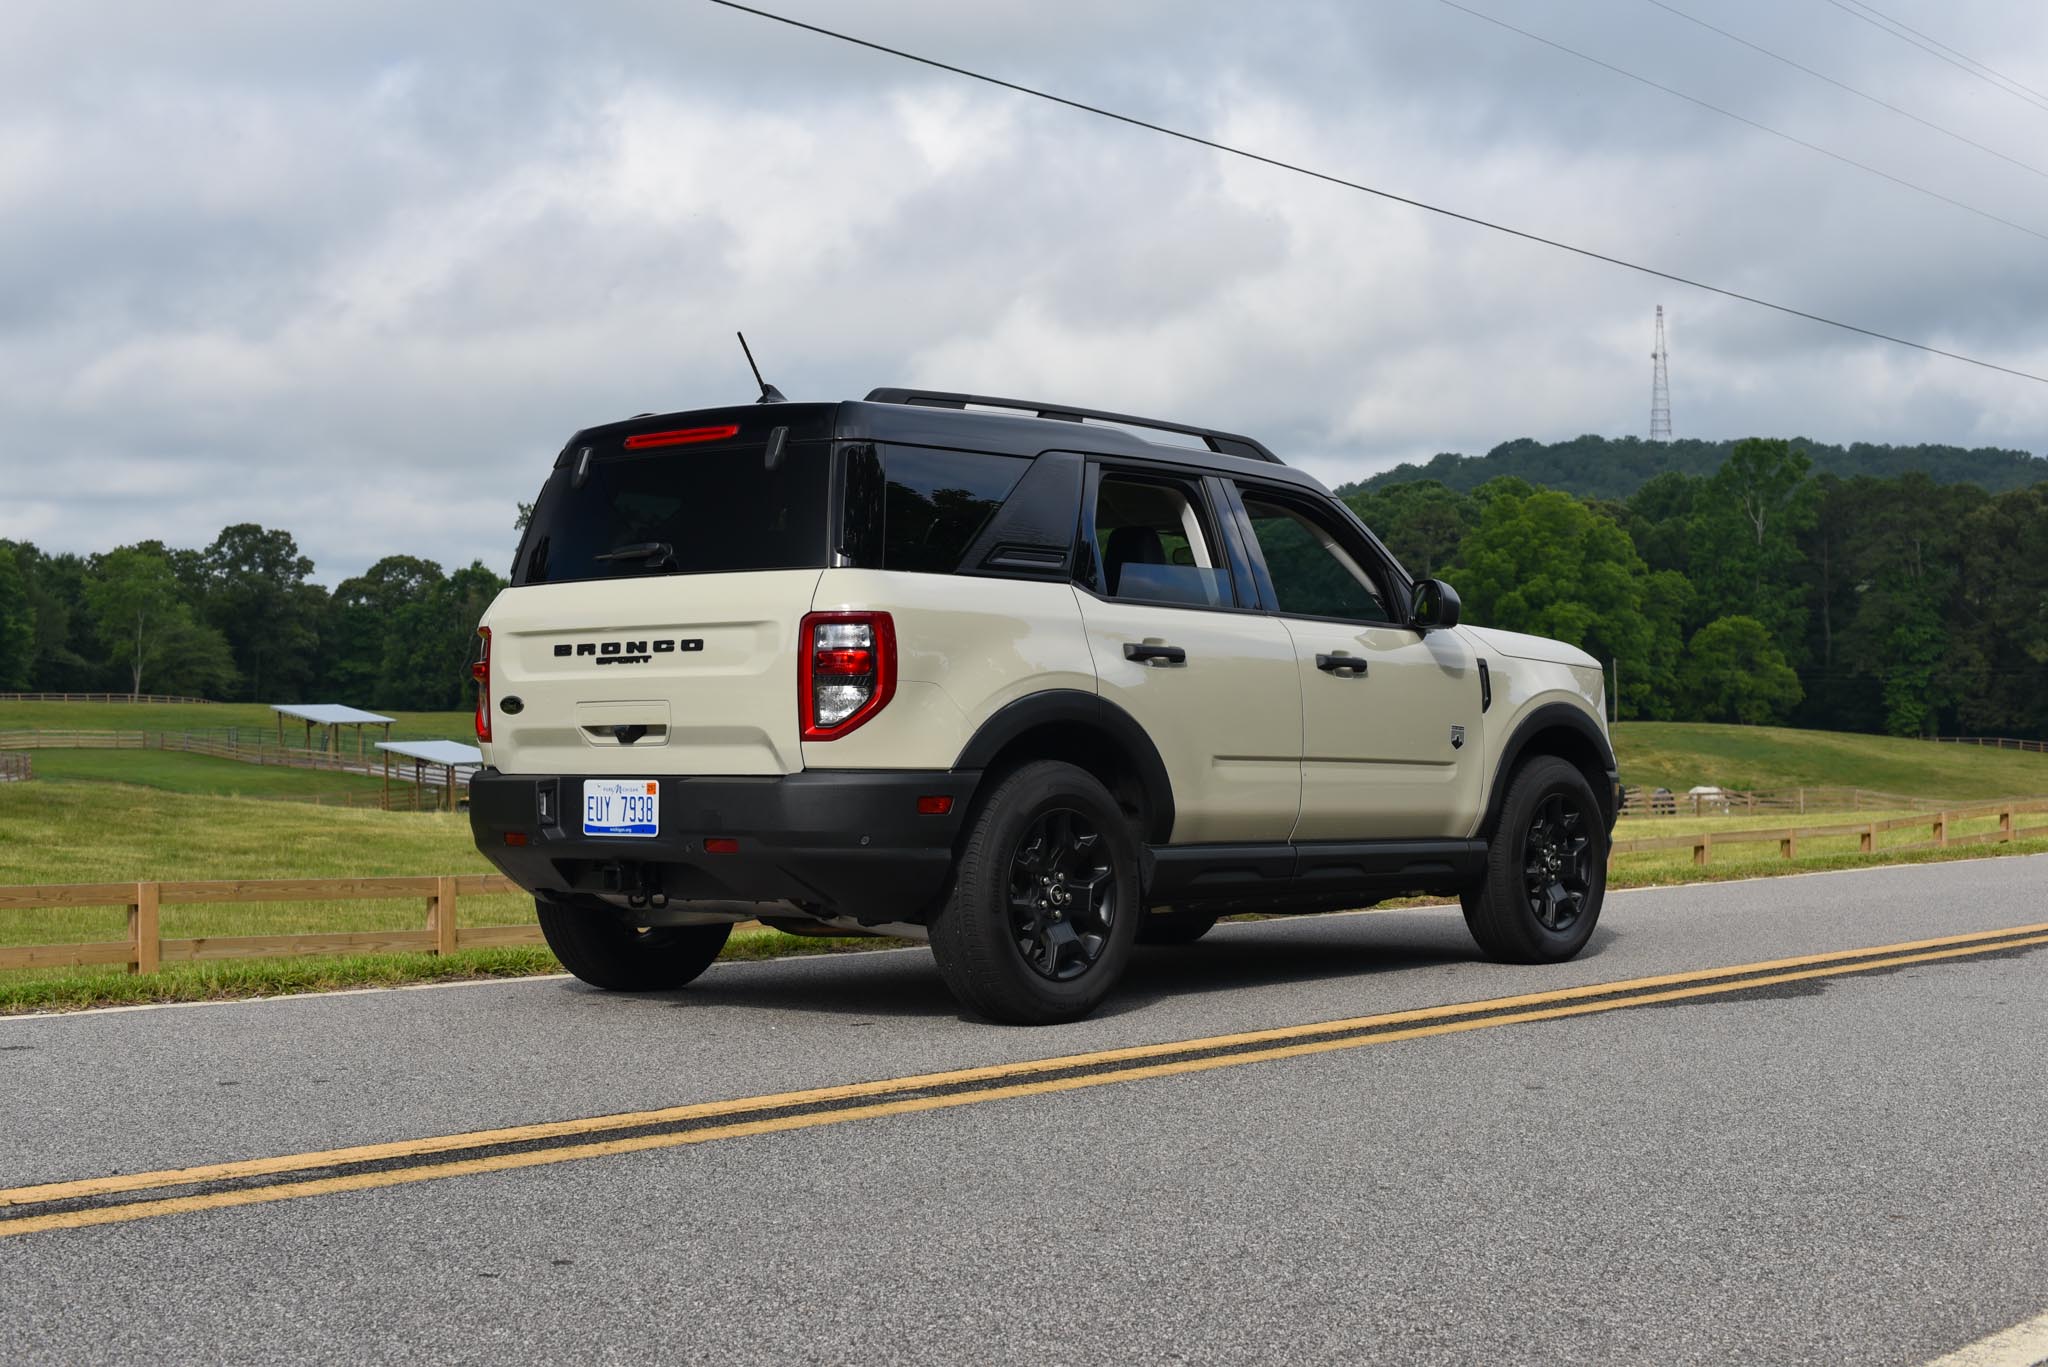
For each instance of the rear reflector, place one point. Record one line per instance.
(934, 806)
(515, 838)
(721, 844)
(682, 436)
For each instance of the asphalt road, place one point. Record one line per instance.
(1839, 1169)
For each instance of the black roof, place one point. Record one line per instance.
(940, 418)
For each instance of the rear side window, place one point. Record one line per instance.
(935, 502)
(690, 511)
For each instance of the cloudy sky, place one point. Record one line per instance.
(356, 270)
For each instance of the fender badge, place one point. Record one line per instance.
(1457, 737)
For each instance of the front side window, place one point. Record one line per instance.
(1313, 574)
(1154, 543)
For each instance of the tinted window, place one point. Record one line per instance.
(690, 511)
(1155, 544)
(1313, 574)
(935, 502)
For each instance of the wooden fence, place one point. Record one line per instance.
(2039, 747)
(1704, 843)
(406, 792)
(145, 950)
(1642, 801)
(16, 768)
(103, 697)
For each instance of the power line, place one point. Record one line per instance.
(1933, 49)
(1743, 119)
(1362, 188)
(1843, 85)
(1946, 48)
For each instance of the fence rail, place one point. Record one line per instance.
(412, 788)
(104, 697)
(1703, 843)
(1639, 801)
(16, 768)
(2039, 747)
(145, 949)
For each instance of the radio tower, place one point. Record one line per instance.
(1660, 386)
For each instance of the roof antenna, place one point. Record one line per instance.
(769, 393)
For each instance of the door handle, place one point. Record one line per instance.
(1145, 652)
(1343, 666)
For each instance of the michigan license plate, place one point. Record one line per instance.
(621, 806)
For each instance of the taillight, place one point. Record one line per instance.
(481, 672)
(846, 670)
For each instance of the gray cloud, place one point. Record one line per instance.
(357, 270)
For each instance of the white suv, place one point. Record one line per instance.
(1034, 682)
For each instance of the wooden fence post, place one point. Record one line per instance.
(441, 915)
(1700, 848)
(1866, 843)
(1941, 830)
(144, 937)
(1788, 847)
(2004, 825)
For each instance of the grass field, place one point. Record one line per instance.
(173, 772)
(1681, 755)
(73, 824)
(101, 716)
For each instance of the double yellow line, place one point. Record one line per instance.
(111, 1200)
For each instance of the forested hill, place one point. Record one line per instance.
(1597, 467)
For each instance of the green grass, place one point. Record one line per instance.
(173, 772)
(103, 716)
(74, 826)
(1682, 755)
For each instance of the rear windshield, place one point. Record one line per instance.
(690, 511)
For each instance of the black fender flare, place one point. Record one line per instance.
(1072, 707)
(1551, 716)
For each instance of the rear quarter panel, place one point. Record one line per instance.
(966, 647)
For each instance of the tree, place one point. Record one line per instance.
(1422, 524)
(1743, 538)
(1545, 563)
(148, 628)
(1734, 671)
(361, 623)
(255, 588)
(17, 624)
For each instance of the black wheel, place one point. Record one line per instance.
(1044, 905)
(598, 945)
(1546, 868)
(1166, 927)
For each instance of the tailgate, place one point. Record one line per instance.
(668, 674)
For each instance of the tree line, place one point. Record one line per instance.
(1615, 467)
(240, 620)
(1762, 592)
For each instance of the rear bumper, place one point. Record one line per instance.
(838, 843)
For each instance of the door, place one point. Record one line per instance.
(1390, 714)
(1183, 648)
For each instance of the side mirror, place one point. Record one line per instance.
(1434, 606)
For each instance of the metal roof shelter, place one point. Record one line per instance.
(446, 754)
(333, 716)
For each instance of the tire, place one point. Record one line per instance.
(1044, 906)
(1174, 927)
(595, 944)
(1546, 868)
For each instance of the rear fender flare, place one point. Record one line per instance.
(1071, 708)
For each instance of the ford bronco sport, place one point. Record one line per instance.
(1032, 682)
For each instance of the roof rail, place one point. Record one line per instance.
(1224, 443)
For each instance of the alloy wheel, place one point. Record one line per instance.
(1062, 895)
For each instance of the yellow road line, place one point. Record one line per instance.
(411, 1148)
(1861, 961)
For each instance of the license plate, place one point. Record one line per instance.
(621, 806)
